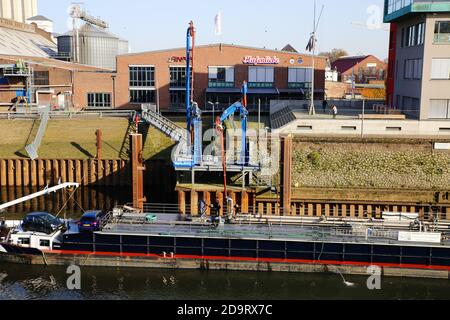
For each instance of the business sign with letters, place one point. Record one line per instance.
(176, 59)
(261, 60)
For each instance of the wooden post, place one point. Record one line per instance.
(99, 135)
(26, 173)
(244, 202)
(286, 175)
(3, 174)
(207, 199)
(194, 203)
(220, 199)
(138, 168)
(182, 202)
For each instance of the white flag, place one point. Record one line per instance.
(218, 24)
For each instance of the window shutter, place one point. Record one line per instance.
(252, 74)
(292, 77)
(270, 74)
(212, 72)
(229, 74)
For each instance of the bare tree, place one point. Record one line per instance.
(335, 54)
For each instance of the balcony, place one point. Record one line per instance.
(299, 85)
(260, 85)
(220, 84)
(16, 72)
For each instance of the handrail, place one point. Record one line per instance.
(69, 114)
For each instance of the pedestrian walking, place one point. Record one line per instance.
(334, 111)
(325, 106)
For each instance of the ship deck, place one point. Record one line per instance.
(263, 232)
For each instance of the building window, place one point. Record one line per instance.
(142, 84)
(142, 96)
(300, 78)
(395, 5)
(420, 33)
(439, 109)
(261, 77)
(178, 77)
(440, 69)
(41, 78)
(413, 69)
(413, 35)
(142, 76)
(410, 105)
(99, 100)
(44, 243)
(221, 77)
(178, 99)
(24, 241)
(442, 32)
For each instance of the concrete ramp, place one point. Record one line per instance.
(33, 148)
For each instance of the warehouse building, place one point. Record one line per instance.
(159, 77)
(34, 81)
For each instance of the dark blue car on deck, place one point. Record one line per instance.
(90, 221)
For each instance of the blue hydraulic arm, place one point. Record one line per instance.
(190, 38)
(239, 107)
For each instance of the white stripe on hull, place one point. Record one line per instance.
(3, 249)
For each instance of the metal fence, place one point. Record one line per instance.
(69, 114)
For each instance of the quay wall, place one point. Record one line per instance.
(102, 173)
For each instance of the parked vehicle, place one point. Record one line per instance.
(42, 222)
(91, 221)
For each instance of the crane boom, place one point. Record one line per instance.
(77, 12)
(46, 191)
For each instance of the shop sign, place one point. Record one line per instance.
(261, 60)
(176, 59)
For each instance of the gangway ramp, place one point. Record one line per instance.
(164, 125)
(32, 149)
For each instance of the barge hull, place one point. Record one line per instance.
(218, 264)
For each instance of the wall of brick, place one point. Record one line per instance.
(205, 56)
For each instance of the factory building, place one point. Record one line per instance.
(419, 58)
(26, 82)
(159, 77)
(18, 10)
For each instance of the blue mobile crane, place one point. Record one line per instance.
(240, 107)
(194, 115)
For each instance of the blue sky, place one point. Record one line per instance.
(161, 24)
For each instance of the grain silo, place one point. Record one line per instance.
(91, 44)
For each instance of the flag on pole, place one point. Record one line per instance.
(311, 43)
(218, 24)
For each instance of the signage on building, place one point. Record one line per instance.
(176, 59)
(261, 60)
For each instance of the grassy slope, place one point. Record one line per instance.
(75, 139)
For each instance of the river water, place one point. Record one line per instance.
(40, 282)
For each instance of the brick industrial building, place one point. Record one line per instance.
(364, 68)
(159, 77)
(54, 83)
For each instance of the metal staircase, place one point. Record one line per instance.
(165, 125)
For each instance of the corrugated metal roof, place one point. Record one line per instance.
(89, 30)
(22, 43)
(53, 63)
